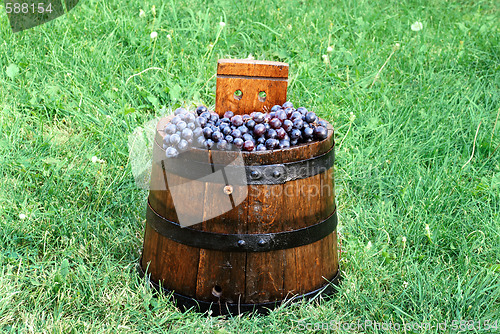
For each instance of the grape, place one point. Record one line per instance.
(200, 141)
(237, 120)
(197, 132)
(271, 133)
(287, 125)
(175, 139)
(179, 111)
(181, 125)
(217, 136)
(200, 110)
(189, 118)
(302, 110)
(298, 124)
(275, 108)
(207, 132)
(284, 143)
(175, 120)
(307, 132)
(295, 134)
(289, 112)
(226, 130)
(238, 142)
(261, 147)
(250, 124)
(243, 129)
(171, 152)
(166, 140)
(229, 138)
(209, 143)
(236, 133)
(245, 117)
(248, 145)
(247, 137)
(223, 145)
(295, 115)
(272, 143)
(261, 140)
(280, 133)
(294, 142)
(170, 128)
(323, 124)
(228, 114)
(191, 126)
(187, 134)
(320, 133)
(310, 117)
(281, 115)
(259, 129)
(275, 123)
(206, 114)
(225, 120)
(258, 117)
(183, 145)
(287, 104)
(272, 114)
(214, 117)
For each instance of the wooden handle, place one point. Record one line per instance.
(244, 85)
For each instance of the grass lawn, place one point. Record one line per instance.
(416, 115)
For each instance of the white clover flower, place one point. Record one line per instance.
(154, 34)
(369, 245)
(251, 57)
(22, 216)
(96, 159)
(405, 284)
(417, 26)
(329, 49)
(210, 45)
(222, 24)
(142, 13)
(169, 37)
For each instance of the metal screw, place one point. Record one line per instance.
(276, 173)
(228, 190)
(262, 242)
(255, 174)
(241, 243)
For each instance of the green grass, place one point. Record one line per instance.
(402, 155)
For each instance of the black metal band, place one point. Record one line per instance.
(241, 242)
(222, 308)
(264, 174)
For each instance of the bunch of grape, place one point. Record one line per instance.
(282, 127)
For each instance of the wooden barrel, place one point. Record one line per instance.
(278, 242)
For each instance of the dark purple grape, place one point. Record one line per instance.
(187, 134)
(275, 108)
(207, 132)
(171, 152)
(225, 120)
(261, 140)
(295, 115)
(191, 126)
(228, 114)
(170, 128)
(320, 133)
(258, 117)
(226, 130)
(295, 134)
(176, 119)
(272, 114)
(243, 129)
(181, 125)
(307, 133)
(214, 117)
(217, 136)
(294, 142)
(236, 133)
(323, 124)
(237, 120)
(267, 118)
(206, 114)
(209, 143)
(259, 129)
(238, 142)
(183, 145)
(261, 147)
(200, 110)
(280, 133)
(272, 143)
(311, 117)
(250, 124)
(247, 137)
(289, 112)
(166, 140)
(281, 115)
(245, 117)
(275, 123)
(287, 125)
(284, 143)
(175, 139)
(271, 133)
(229, 138)
(248, 145)
(298, 124)
(287, 104)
